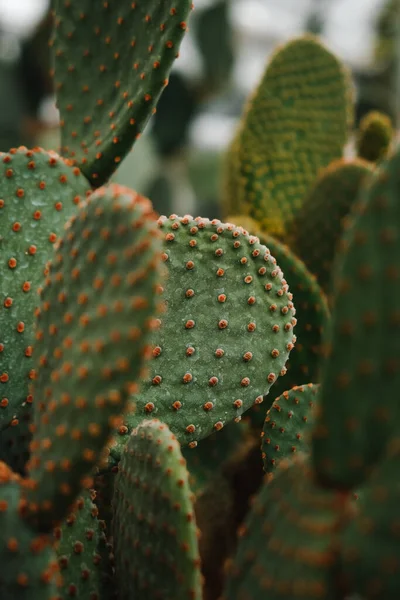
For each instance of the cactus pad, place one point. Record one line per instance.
(288, 425)
(318, 226)
(154, 529)
(92, 329)
(225, 336)
(112, 61)
(295, 123)
(39, 192)
(78, 543)
(359, 406)
(28, 567)
(294, 523)
(374, 136)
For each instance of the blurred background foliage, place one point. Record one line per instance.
(177, 161)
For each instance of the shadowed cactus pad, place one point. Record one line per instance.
(226, 334)
(295, 123)
(39, 192)
(93, 324)
(359, 406)
(112, 61)
(286, 549)
(28, 566)
(154, 529)
(374, 136)
(288, 425)
(318, 226)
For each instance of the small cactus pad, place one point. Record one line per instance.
(286, 548)
(28, 567)
(287, 425)
(154, 528)
(295, 123)
(226, 334)
(78, 543)
(318, 226)
(370, 544)
(39, 192)
(374, 136)
(312, 316)
(92, 330)
(361, 376)
(112, 61)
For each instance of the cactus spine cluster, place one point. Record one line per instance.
(132, 345)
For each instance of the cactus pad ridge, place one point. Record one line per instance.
(318, 226)
(93, 325)
(39, 193)
(154, 529)
(226, 333)
(112, 61)
(288, 425)
(359, 408)
(374, 137)
(295, 123)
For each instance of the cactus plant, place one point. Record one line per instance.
(374, 136)
(295, 123)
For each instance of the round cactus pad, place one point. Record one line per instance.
(226, 334)
(154, 529)
(112, 61)
(39, 192)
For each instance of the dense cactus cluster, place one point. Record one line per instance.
(158, 372)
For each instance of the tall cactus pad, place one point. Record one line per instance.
(318, 226)
(359, 394)
(154, 529)
(312, 315)
(288, 425)
(226, 334)
(112, 61)
(78, 542)
(370, 544)
(286, 550)
(28, 567)
(92, 329)
(39, 193)
(295, 123)
(374, 136)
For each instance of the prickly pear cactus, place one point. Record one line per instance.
(374, 136)
(96, 306)
(288, 425)
(363, 339)
(154, 528)
(295, 123)
(112, 62)
(318, 226)
(225, 336)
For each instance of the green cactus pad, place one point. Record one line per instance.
(374, 136)
(288, 425)
(318, 226)
(15, 440)
(370, 544)
(112, 61)
(39, 192)
(154, 529)
(92, 331)
(361, 377)
(225, 336)
(293, 522)
(312, 315)
(28, 566)
(295, 123)
(77, 546)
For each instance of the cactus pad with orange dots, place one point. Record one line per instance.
(39, 192)
(112, 61)
(154, 528)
